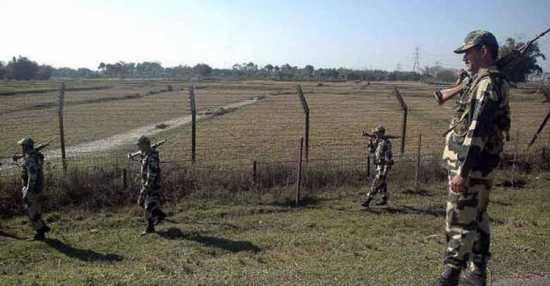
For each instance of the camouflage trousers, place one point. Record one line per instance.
(32, 203)
(380, 183)
(150, 201)
(467, 223)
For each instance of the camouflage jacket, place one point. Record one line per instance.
(381, 148)
(150, 171)
(32, 176)
(479, 126)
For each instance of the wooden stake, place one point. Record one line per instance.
(61, 127)
(193, 108)
(305, 106)
(405, 112)
(418, 158)
(299, 178)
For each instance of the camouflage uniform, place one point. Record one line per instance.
(32, 179)
(472, 150)
(383, 161)
(149, 196)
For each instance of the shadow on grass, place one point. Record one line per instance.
(421, 192)
(437, 212)
(306, 201)
(81, 254)
(210, 241)
(9, 236)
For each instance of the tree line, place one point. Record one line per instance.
(21, 68)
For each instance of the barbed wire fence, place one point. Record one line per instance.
(260, 150)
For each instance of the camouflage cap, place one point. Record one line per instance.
(379, 129)
(27, 141)
(143, 140)
(477, 38)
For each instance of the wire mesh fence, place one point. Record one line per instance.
(245, 124)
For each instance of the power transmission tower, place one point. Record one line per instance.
(416, 64)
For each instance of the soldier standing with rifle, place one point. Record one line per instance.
(149, 195)
(380, 146)
(474, 144)
(32, 178)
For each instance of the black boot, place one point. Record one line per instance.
(449, 277)
(40, 234)
(150, 229)
(367, 202)
(159, 217)
(383, 202)
(476, 276)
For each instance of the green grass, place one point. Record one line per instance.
(259, 240)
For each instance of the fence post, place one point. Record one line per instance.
(305, 106)
(61, 127)
(124, 179)
(254, 170)
(299, 179)
(193, 109)
(405, 111)
(514, 161)
(418, 158)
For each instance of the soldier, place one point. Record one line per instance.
(472, 151)
(381, 147)
(32, 179)
(149, 195)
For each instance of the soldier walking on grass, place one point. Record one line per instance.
(149, 195)
(380, 146)
(32, 178)
(472, 151)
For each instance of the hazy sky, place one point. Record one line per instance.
(356, 34)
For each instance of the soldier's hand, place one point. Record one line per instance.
(461, 75)
(457, 184)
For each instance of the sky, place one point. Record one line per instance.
(366, 34)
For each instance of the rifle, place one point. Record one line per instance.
(503, 63)
(131, 156)
(18, 156)
(367, 134)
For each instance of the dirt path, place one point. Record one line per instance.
(129, 137)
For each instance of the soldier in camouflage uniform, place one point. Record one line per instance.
(383, 160)
(149, 195)
(472, 151)
(32, 179)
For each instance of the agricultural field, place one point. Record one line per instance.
(266, 127)
(227, 228)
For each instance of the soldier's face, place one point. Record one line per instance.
(472, 60)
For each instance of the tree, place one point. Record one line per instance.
(520, 69)
(21, 68)
(44, 72)
(202, 69)
(309, 69)
(268, 68)
(101, 67)
(2, 71)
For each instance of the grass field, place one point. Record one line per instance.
(259, 240)
(268, 130)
